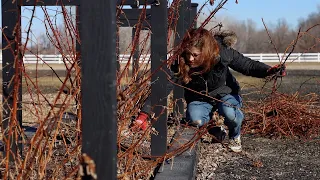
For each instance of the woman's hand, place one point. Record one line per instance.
(279, 70)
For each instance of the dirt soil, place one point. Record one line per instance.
(264, 158)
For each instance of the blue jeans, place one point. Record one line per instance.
(199, 113)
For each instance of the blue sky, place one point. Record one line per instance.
(269, 10)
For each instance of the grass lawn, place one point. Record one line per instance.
(49, 83)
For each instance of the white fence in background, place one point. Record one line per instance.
(123, 58)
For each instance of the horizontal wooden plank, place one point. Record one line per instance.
(133, 14)
(133, 2)
(51, 3)
(77, 3)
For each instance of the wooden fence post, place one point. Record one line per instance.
(98, 88)
(183, 24)
(159, 25)
(135, 57)
(10, 37)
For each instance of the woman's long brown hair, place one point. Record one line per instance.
(206, 43)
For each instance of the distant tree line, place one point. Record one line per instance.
(253, 40)
(250, 38)
(256, 40)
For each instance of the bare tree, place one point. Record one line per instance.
(282, 35)
(310, 40)
(43, 46)
(125, 35)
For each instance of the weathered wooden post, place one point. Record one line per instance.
(11, 74)
(193, 14)
(135, 58)
(159, 25)
(182, 26)
(187, 13)
(98, 55)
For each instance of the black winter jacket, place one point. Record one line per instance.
(214, 83)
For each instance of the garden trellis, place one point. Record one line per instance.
(98, 78)
(12, 59)
(100, 138)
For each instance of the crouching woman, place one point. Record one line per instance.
(203, 68)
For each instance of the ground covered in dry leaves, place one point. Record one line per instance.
(262, 158)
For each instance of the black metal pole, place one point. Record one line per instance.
(10, 49)
(159, 92)
(98, 52)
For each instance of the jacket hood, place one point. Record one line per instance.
(226, 37)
